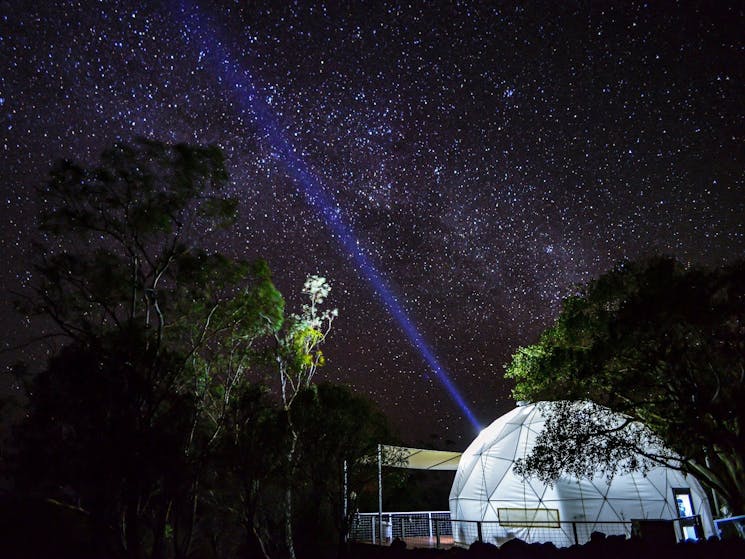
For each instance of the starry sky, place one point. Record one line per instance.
(487, 157)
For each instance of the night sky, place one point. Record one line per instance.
(487, 159)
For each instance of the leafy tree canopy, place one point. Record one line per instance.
(336, 428)
(663, 345)
(121, 238)
(148, 411)
(161, 333)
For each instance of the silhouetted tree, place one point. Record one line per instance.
(336, 427)
(164, 330)
(660, 343)
(105, 433)
(252, 457)
(298, 356)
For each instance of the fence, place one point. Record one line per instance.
(428, 528)
(437, 529)
(732, 527)
(561, 533)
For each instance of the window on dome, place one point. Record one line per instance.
(529, 518)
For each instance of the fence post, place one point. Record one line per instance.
(437, 534)
(429, 516)
(372, 526)
(574, 529)
(380, 491)
(345, 503)
(699, 528)
(478, 529)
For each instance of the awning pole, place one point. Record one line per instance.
(380, 492)
(345, 490)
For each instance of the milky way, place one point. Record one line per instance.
(489, 159)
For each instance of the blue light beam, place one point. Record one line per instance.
(251, 101)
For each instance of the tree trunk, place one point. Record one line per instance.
(723, 474)
(159, 532)
(132, 530)
(254, 541)
(255, 533)
(289, 541)
(184, 522)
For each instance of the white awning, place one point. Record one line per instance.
(419, 458)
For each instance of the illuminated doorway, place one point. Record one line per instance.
(686, 512)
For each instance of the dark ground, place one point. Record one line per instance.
(601, 548)
(31, 531)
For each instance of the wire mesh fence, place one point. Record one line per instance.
(437, 529)
(429, 528)
(560, 533)
(732, 527)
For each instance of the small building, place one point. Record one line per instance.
(490, 502)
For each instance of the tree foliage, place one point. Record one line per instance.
(336, 429)
(298, 352)
(116, 437)
(118, 234)
(661, 344)
(251, 466)
(160, 334)
(298, 357)
(156, 410)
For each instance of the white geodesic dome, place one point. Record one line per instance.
(488, 496)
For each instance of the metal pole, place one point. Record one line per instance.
(574, 529)
(713, 491)
(380, 492)
(345, 492)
